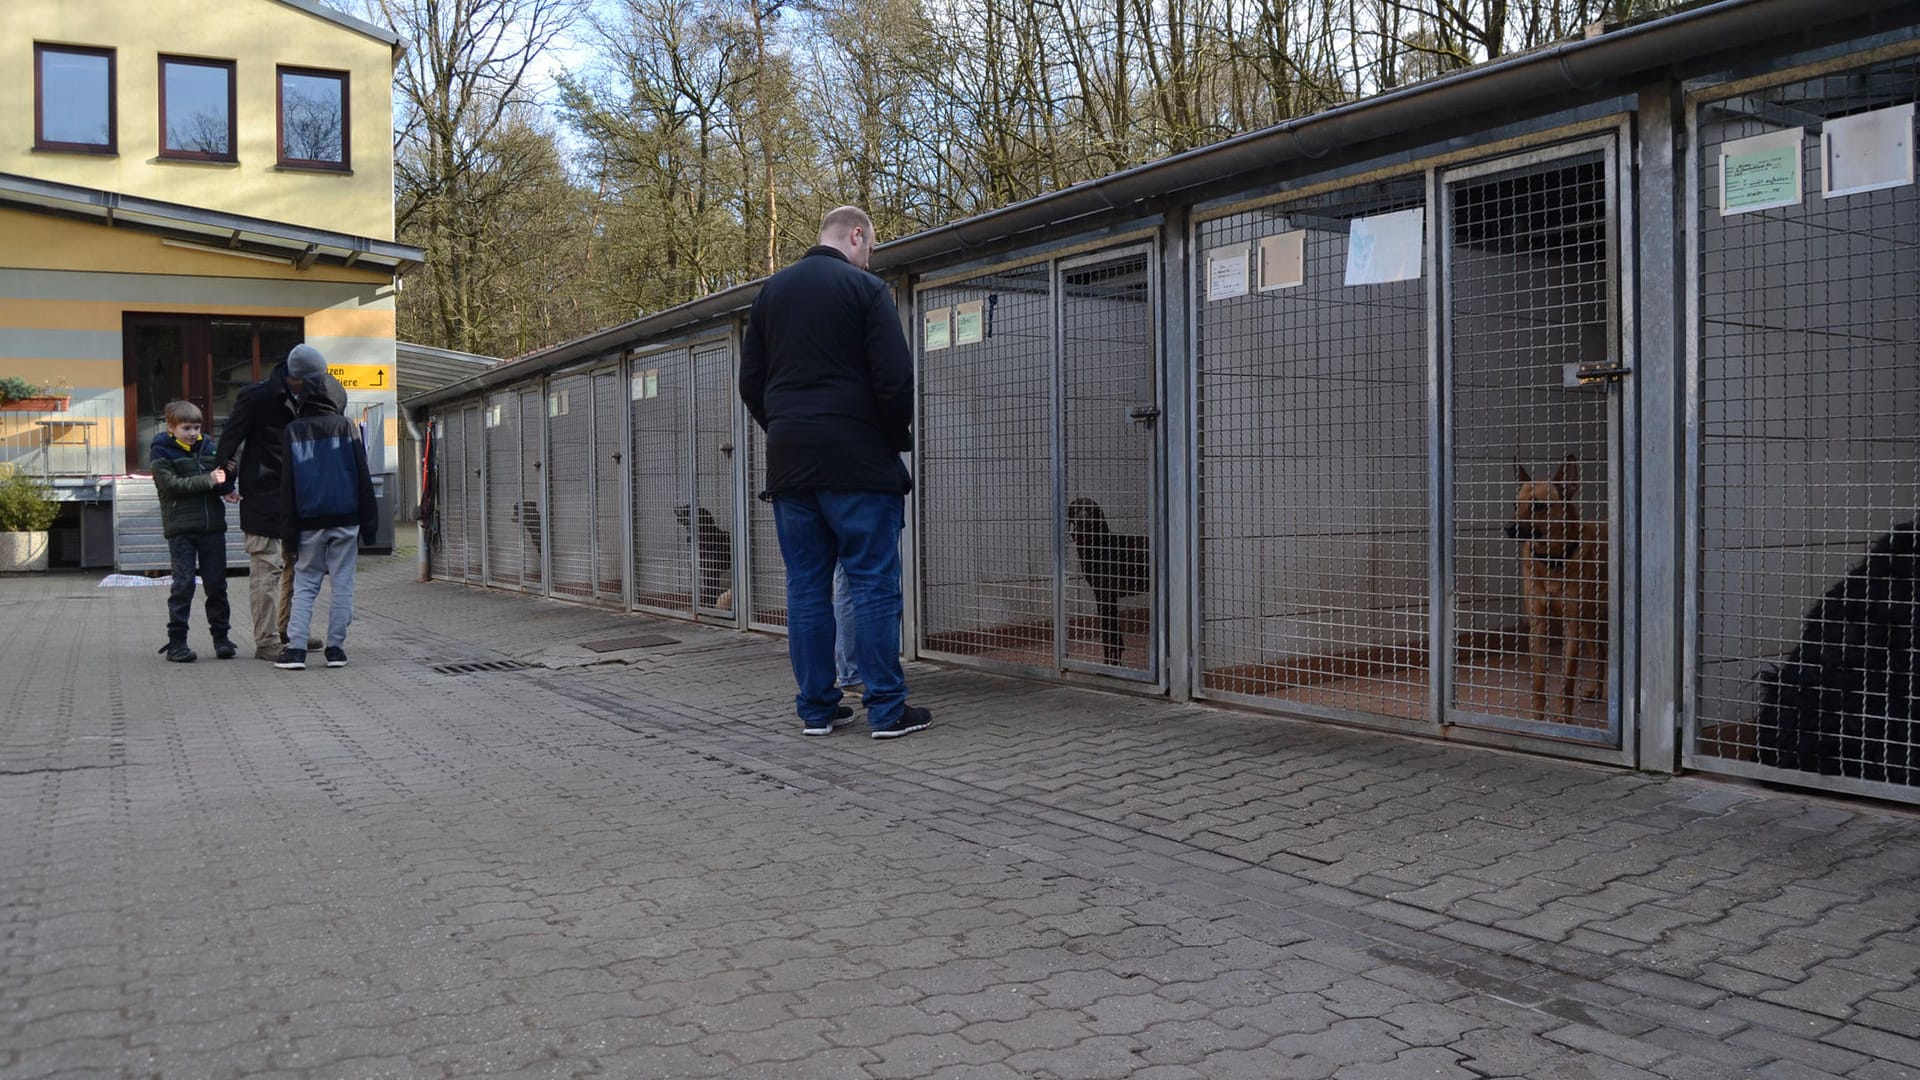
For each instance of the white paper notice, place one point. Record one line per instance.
(1283, 260)
(1867, 151)
(1386, 247)
(969, 323)
(1227, 272)
(936, 329)
(1760, 173)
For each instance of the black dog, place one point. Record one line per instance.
(715, 548)
(526, 514)
(1114, 565)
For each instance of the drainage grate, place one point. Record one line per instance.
(636, 641)
(475, 667)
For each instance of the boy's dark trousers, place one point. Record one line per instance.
(206, 552)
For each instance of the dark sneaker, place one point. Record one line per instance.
(842, 716)
(336, 656)
(224, 649)
(178, 653)
(292, 660)
(911, 720)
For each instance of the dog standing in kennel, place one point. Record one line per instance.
(1563, 587)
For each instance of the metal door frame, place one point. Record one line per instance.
(1148, 238)
(476, 412)
(1155, 671)
(702, 613)
(598, 543)
(511, 395)
(688, 480)
(1622, 494)
(539, 391)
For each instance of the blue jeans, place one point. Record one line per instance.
(324, 553)
(861, 531)
(845, 672)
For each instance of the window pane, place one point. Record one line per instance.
(73, 98)
(197, 119)
(311, 111)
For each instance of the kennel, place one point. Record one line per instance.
(1803, 326)
(1379, 355)
(1039, 392)
(684, 423)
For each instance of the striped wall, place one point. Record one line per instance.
(67, 286)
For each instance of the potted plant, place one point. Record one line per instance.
(17, 394)
(27, 508)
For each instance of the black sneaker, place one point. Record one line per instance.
(224, 649)
(336, 656)
(292, 660)
(178, 653)
(842, 716)
(911, 720)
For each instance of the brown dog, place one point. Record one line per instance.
(1563, 582)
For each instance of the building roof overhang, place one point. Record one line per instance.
(196, 227)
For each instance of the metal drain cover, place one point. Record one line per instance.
(475, 667)
(636, 641)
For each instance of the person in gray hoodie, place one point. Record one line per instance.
(326, 506)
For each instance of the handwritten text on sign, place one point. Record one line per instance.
(363, 376)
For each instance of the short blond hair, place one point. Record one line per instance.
(842, 220)
(183, 412)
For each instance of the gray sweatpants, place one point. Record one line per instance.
(329, 553)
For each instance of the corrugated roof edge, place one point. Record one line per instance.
(1576, 64)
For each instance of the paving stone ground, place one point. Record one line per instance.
(631, 865)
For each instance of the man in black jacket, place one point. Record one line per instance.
(250, 447)
(826, 371)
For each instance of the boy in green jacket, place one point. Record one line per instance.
(190, 484)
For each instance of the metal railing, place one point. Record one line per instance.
(82, 440)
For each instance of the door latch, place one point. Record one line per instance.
(727, 449)
(1605, 371)
(1143, 414)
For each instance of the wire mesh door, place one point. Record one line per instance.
(506, 548)
(449, 467)
(709, 525)
(473, 500)
(570, 487)
(1805, 660)
(1314, 466)
(661, 392)
(1109, 415)
(767, 571)
(609, 452)
(985, 458)
(531, 511)
(1530, 285)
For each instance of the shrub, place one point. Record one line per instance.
(13, 388)
(26, 505)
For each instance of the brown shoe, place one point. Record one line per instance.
(269, 653)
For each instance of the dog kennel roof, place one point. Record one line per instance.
(1594, 66)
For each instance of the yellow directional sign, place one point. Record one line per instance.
(363, 376)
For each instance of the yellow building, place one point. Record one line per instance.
(185, 193)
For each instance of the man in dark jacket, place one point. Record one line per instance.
(826, 371)
(250, 447)
(326, 506)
